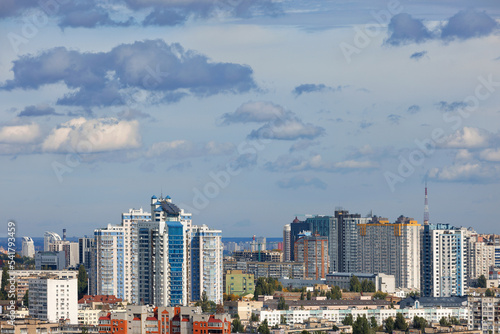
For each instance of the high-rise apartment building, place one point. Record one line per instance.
(28, 247)
(313, 252)
(297, 227)
(392, 249)
(115, 259)
(206, 263)
(480, 257)
(444, 261)
(163, 255)
(343, 241)
(48, 239)
(286, 243)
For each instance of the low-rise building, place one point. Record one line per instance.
(238, 283)
(383, 282)
(52, 299)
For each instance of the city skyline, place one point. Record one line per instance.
(249, 113)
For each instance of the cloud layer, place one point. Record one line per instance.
(405, 29)
(105, 79)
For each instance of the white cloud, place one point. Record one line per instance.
(92, 136)
(468, 137)
(19, 134)
(468, 172)
(464, 154)
(490, 154)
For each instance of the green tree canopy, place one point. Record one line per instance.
(264, 328)
(348, 320)
(419, 323)
(389, 325)
(481, 282)
(361, 326)
(400, 323)
(354, 284)
(82, 281)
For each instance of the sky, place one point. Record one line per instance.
(248, 112)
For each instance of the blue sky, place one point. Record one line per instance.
(248, 113)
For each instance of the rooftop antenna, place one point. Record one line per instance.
(426, 207)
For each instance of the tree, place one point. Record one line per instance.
(264, 328)
(302, 295)
(282, 304)
(26, 299)
(5, 282)
(336, 293)
(489, 293)
(419, 323)
(454, 321)
(361, 326)
(348, 321)
(389, 325)
(373, 322)
(354, 284)
(380, 295)
(82, 281)
(207, 306)
(367, 286)
(335, 328)
(85, 330)
(309, 295)
(237, 326)
(444, 322)
(282, 319)
(219, 309)
(254, 317)
(481, 282)
(400, 323)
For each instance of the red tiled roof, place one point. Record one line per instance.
(107, 299)
(137, 319)
(151, 319)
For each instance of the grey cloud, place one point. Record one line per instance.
(40, 110)
(301, 181)
(95, 13)
(413, 109)
(257, 112)
(164, 17)
(394, 118)
(468, 24)
(364, 124)
(287, 129)
(302, 145)
(418, 55)
(130, 114)
(445, 106)
(101, 79)
(405, 29)
(310, 88)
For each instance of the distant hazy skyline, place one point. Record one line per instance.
(248, 113)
